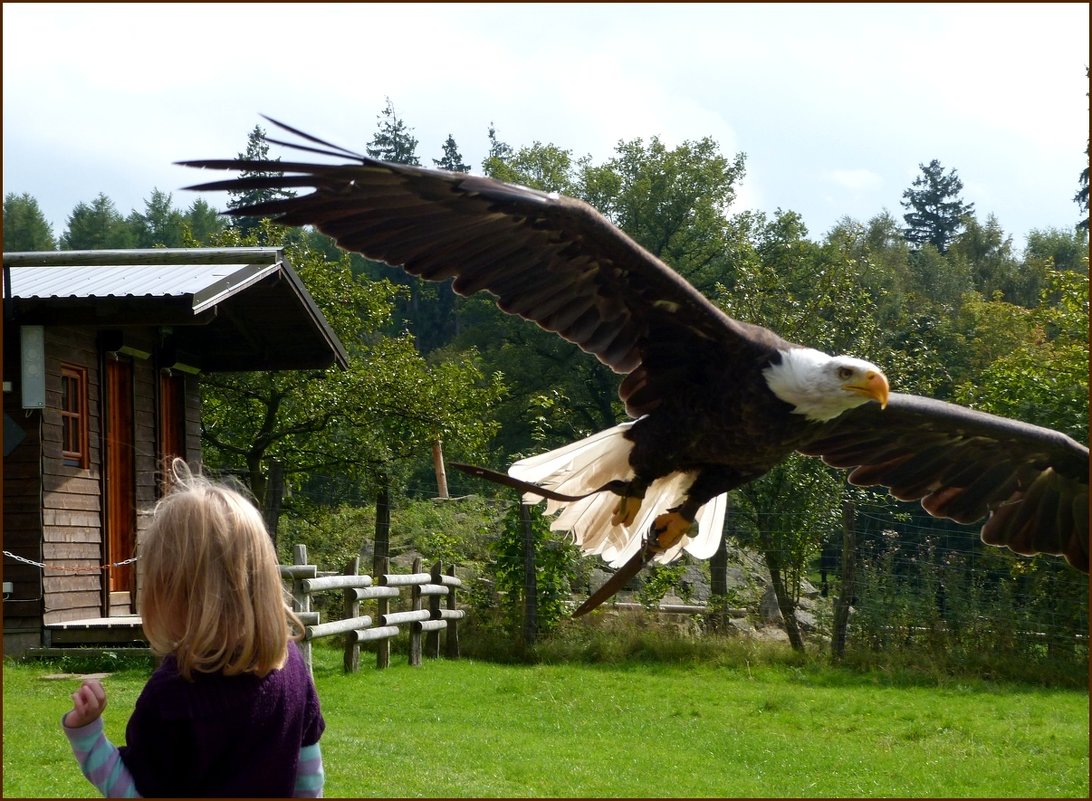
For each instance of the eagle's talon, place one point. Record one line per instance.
(667, 529)
(625, 512)
(629, 504)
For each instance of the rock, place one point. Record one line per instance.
(768, 609)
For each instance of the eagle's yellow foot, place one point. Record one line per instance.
(668, 528)
(626, 511)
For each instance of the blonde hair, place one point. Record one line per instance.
(211, 592)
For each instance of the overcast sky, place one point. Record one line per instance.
(835, 106)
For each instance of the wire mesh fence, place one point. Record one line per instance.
(920, 585)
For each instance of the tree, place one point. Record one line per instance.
(985, 254)
(25, 226)
(1064, 249)
(451, 159)
(363, 424)
(1081, 198)
(935, 211)
(499, 153)
(203, 221)
(97, 226)
(160, 225)
(1044, 378)
(257, 149)
(673, 201)
(394, 140)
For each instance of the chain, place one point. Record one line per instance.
(44, 566)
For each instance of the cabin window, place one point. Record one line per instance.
(74, 417)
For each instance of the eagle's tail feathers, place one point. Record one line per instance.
(579, 467)
(584, 466)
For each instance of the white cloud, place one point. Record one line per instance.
(834, 105)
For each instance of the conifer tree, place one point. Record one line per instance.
(935, 211)
(257, 149)
(394, 140)
(25, 226)
(452, 159)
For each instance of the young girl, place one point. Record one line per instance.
(232, 710)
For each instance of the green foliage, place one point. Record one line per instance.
(160, 225)
(370, 420)
(202, 223)
(969, 608)
(935, 212)
(25, 226)
(455, 531)
(1044, 378)
(658, 580)
(672, 201)
(97, 226)
(555, 564)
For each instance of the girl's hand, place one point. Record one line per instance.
(89, 702)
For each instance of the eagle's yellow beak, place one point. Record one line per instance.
(873, 384)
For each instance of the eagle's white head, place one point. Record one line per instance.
(821, 387)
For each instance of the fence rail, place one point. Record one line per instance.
(425, 618)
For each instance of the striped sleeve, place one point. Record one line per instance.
(310, 776)
(100, 760)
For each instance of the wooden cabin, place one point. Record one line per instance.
(103, 351)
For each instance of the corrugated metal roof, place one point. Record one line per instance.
(207, 284)
(274, 323)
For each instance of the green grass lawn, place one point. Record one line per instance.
(475, 729)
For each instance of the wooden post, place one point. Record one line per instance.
(274, 494)
(415, 606)
(451, 642)
(718, 586)
(432, 641)
(848, 589)
(351, 662)
(381, 564)
(530, 582)
(301, 600)
(438, 466)
(382, 606)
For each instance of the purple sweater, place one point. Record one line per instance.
(222, 736)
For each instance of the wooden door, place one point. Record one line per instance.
(172, 422)
(120, 474)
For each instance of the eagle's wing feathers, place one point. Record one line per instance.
(547, 258)
(1031, 482)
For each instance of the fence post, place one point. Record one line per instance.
(351, 662)
(530, 583)
(301, 601)
(432, 642)
(848, 589)
(382, 606)
(451, 643)
(415, 632)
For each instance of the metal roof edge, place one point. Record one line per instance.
(149, 256)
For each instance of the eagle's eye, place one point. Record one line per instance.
(845, 373)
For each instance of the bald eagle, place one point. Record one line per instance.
(715, 402)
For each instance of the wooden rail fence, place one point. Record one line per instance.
(425, 618)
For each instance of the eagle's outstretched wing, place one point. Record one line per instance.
(546, 257)
(1032, 482)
